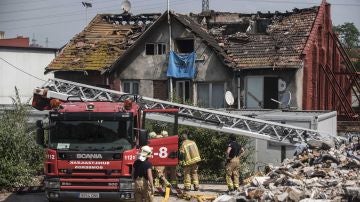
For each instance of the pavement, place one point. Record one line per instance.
(205, 189)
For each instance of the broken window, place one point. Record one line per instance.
(131, 87)
(150, 49)
(261, 92)
(155, 49)
(211, 94)
(182, 90)
(184, 45)
(262, 25)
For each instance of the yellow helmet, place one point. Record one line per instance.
(164, 133)
(152, 134)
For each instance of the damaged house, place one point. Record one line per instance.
(267, 60)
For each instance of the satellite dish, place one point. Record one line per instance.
(285, 100)
(229, 98)
(126, 6)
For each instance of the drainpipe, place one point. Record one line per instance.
(238, 89)
(170, 49)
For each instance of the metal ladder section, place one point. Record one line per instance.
(190, 115)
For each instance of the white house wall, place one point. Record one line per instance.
(30, 61)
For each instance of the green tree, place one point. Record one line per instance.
(348, 34)
(21, 157)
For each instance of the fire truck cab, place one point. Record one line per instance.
(90, 148)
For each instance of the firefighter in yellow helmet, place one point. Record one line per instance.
(170, 170)
(190, 157)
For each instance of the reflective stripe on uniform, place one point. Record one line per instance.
(191, 152)
(187, 185)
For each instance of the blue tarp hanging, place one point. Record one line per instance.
(181, 65)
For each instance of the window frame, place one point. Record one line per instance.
(183, 93)
(178, 40)
(131, 83)
(210, 92)
(156, 47)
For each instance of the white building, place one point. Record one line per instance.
(19, 66)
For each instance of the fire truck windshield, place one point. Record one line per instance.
(94, 135)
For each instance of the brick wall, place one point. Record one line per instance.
(320, 50)
(160, 89)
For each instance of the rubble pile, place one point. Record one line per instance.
(316, 173)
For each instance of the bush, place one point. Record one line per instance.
(21, 158)
(212, 146)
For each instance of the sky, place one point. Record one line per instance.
(57, 21)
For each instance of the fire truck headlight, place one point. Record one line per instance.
(127, 184)
(52, 184)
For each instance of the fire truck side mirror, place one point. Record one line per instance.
(143, 137)
(40, 136)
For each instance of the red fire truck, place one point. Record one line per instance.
(90, 147)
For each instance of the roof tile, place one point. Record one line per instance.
(102, 42)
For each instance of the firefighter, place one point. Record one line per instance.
(160, 170)
(189, 159)
(170, 170)
(233, 153)
(142, 175)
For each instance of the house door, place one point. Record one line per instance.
(182, 90)
(259, 92)
(271, 92)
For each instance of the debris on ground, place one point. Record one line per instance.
(316, 173)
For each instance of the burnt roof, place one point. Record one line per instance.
(102, 42)
(261, 40)
(242, 41)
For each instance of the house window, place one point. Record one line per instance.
(155, 49)
(150, 49)
(161, 49)
(185, 45)
(131, 87)
(211, 95)
(182, 90)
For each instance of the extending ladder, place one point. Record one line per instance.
(191, 115)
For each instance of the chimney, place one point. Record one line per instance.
(2, 35)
